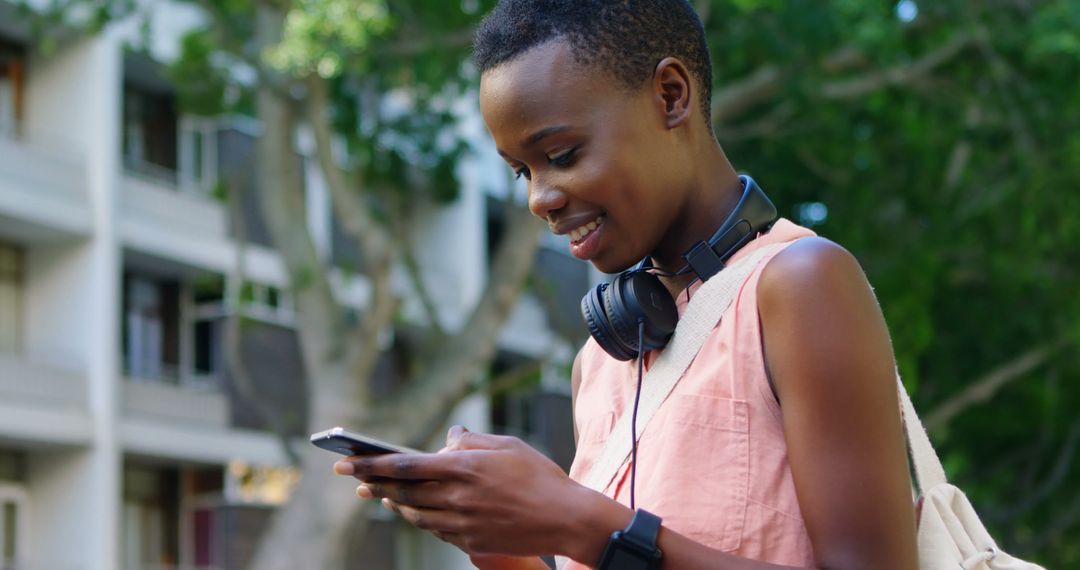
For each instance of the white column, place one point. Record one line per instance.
(104, 97)
(74, 101)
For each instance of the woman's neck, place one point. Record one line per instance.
(714, 194)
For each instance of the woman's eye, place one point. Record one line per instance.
(523, 172)
(565, 158)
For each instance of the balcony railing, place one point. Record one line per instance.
(44, 186)
(39, 385)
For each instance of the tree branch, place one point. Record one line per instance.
(419, 44)
(232, 44)
(437, 389)
(960, 156)
(765, 82)
(765, 126)
(355, 216)
(1052, 482)
(322, 324)
(234, 357)
(984, 387)
(836, 177)
(899, 75)
(416, 276)
(1055, 528)
(760, 85)
(503, 383)
(372, 239)
(1001, 75)
(843, 59)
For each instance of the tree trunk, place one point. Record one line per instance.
(339, 358)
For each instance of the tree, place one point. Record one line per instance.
(941, 140)
(310, 528)
(938, 142)
(331, 67)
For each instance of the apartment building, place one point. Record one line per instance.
(124, 442)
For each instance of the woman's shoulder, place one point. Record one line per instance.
(819, 317)
(806, 270)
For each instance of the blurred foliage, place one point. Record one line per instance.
(959, 191)
(951, 168)
(321, 34)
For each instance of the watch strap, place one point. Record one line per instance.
(643, 530)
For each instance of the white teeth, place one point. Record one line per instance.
(579, 233)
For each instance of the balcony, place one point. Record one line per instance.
(175, 422)
(42, 404)
(175, 404)
(43, 195)
(161, 221)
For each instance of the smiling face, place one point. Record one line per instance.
(603, 162)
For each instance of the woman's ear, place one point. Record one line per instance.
(674, 91)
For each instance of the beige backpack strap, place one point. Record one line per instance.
(929, 472)
(697, 322)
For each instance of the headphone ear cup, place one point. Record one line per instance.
(644, 297)
(612, 311)
(596, 319)
(623, 318)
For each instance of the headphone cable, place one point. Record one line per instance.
(633, 417)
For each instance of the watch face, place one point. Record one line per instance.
(625, 559)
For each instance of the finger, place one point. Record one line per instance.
(412, 466)
(455, 433)
(427, 494)
(486, 441)
(452, 538)
(433, 520)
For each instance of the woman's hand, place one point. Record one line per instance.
(486, 494)
(500, 562)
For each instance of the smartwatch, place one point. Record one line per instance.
(634, 548)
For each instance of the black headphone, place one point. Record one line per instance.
(616, 311)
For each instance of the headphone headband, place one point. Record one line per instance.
(753, 214)
(613, 311)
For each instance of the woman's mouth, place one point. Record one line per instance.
(585, 239)
(580, 233)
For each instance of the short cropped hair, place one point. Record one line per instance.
(624, 38)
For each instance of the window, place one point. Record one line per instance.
(205, 324)
(266, 303)
(496, 225)
(12, 466)
(11, 89)
(208, 529)
(151, 328)
(150, 134)
(10, 297)
(198, 155)
(13, 539)
(151, 518)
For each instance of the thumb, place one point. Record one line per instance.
(453, 437)
(461, 438)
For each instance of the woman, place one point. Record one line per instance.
(782, 445)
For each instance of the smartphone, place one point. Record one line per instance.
(344, 442)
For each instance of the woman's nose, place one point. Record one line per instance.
(545, 199)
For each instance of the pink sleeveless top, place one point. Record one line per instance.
(713, 461)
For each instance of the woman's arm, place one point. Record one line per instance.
(497, 562)
(495, 495)
(829, 357)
